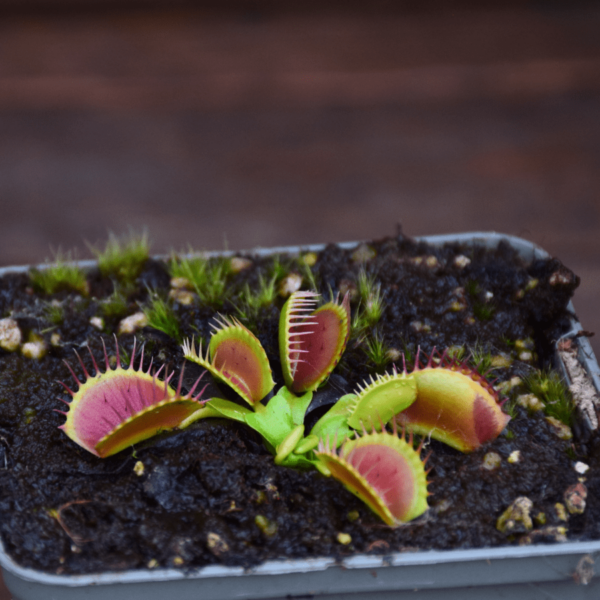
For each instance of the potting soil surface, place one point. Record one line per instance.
(212, 493)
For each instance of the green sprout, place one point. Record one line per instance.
(251, 301)
(550, 388)
(377, 351)
(63, 273)
(123, 258)
(371, 302)
(208, 277)
(482, 359)
(279, 268)
(483, 311)
(54, 313)
(161, 316)
(115, 306)
(510, 408)
(309, 275)
(456, 353)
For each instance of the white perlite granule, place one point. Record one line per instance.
(10, 334)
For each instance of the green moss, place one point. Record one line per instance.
(251, 301)
(481, 359)
(552, 391)
(371, 305)
(208, 277)
(377, 351)
(123, 258)
(54, 313)
(161, 316)
(483, 311)
(279, 267)
(61, 274)
(115, 306)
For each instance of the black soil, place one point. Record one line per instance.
(63, 510)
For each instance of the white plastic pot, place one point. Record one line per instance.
(539, 572)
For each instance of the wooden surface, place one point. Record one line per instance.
(258, 130)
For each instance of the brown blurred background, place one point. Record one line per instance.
(259, 123)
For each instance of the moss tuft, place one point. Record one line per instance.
(61, 274)
(550, 388)
(123, 258)
(161, 316)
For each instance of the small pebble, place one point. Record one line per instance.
(442, 506)
(34, 350)
(138, 468)
(491, 461)
(462, 261)
(216, 544)
(514, 457)
(269, 528)
(581, 467)
(344, 538)
(393, 355)
(561, 430)
(531, 284)
(309, 259)
(575, 496)
(525, 344)
(181, 283)
(240, 263)
(561, 511)
(554, 533)
(420, 327)
(55, 339)
(516, 518)
(561, 277)
(289, 284)
(152, 563)
(507, 386)
(525, 356)
(10, 334)
(363, 253)
(97, 322)
(501, 361)
(132, 323)
(457, 305)
(183, 297)
(530, 402)
(488, 296)
(432, 262)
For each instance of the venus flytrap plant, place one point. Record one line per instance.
(236, 357)
(454, 404)
(383, 470)
(444, 399)
(311, 341)
(116, 408)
